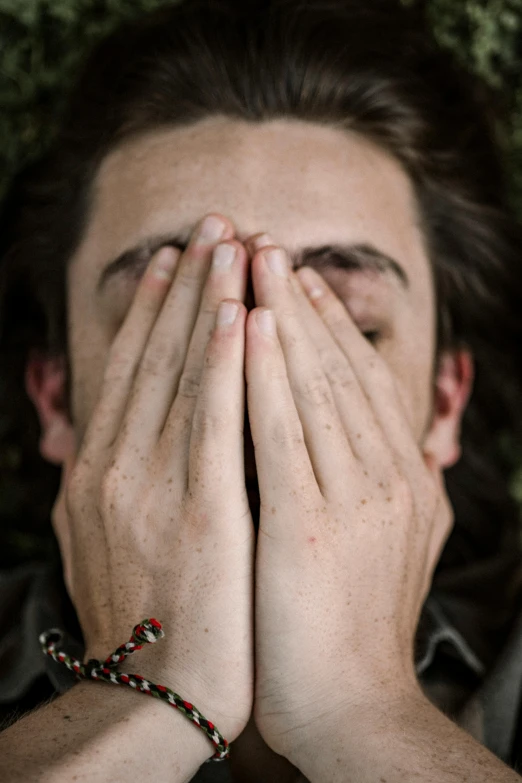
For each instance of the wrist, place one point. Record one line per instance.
(143, 722)
(346, 730)
(154, 678)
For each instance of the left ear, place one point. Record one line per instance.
(453, 386)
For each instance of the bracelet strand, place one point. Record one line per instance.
(146, 632)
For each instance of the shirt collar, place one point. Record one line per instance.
(434, 628)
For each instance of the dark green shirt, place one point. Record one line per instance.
(467, 667)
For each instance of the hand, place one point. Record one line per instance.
(153, 520)
(353, 517)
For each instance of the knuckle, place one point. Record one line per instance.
(161, 360)
(339, 372)
(315, 389)
(285, 435)
(213, 358)
(402, 495)
(150, 366)
(189, 385)
(118, 367)
(209, 308)
(191, 271)
(119, 355)
(335, 316)
(206, 426)
(110, 487)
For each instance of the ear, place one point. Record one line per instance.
(45, 383)
(453, 386)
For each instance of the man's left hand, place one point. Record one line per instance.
(353, 517)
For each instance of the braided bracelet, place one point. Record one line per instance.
(146, 632)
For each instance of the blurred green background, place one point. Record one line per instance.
(42, 43)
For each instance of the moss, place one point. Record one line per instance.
(42, 43)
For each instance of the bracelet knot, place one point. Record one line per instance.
(146, 632)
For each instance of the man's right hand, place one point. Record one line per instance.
(157, 516)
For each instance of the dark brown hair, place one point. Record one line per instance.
(369, 67)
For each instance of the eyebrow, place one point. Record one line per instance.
(351, 257)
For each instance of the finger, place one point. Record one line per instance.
(323, 430)
(283, 463)
(126, 352)
(372, 372)
(164, 356)
(358, 420)
(216, 459)
(226, 280)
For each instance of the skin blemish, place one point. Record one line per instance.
(312, 540)
(273, 510)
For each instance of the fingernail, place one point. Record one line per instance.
(307, 278)
(226, 314)
(266, 322)
(263, 241)
(276, 260)
(165, 263)
(210, 230)
(223, 257)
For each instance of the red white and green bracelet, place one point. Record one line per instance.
(146, 632)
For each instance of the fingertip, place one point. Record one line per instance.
(230, 229)
(160, 270)
(257, 242)
(227, 314)
(263, 321)
(311, 283)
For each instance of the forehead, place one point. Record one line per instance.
(305, 183)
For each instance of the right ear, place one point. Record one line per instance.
(45, 383)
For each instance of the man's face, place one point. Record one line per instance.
(305, 184)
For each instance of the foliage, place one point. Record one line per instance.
(42, 43)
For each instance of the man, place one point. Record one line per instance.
(292, 614)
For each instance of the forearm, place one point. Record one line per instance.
(98, 732)
(415, 743)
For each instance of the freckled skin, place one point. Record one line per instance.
(305, 184)
(348, 190)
